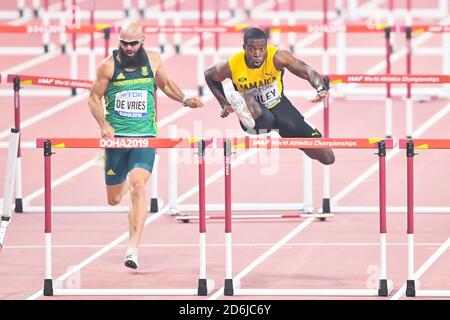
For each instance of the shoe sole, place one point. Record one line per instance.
(243, 115)
(130, 264)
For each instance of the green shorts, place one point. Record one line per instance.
(118, 162)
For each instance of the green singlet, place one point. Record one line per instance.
(130, 101)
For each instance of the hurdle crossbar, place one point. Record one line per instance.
(258, 216)
(411, 145)
(205, 286)
(232, 287)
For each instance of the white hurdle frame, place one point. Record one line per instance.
(232, 286)
(8, 189)
(205, 285)
(176, 208)
(412, 289)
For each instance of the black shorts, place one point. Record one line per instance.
(285, 119)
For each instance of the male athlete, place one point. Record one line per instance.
(259, 100)
(127, 80)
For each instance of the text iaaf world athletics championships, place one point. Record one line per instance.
(303, 143)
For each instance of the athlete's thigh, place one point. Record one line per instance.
(116, 168)
(143, 158)
(291, 123)
(263, 124)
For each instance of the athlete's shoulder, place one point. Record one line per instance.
(282, 56)
(106, 67)
(153, 55)
(154, 58)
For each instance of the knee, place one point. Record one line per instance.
(114, 200)
(137, 192)
(328, 159)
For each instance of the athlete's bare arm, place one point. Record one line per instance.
(285, 59)
(104, 74)
(167, 85)
(214, 76)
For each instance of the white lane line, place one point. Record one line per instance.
(265, 255)
(424, 268)
(193, 245)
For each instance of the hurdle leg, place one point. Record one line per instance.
(63, 35)
(326, 208)
(127, 7)
(141, 7)
(18, 203)
(204, 286)
(48, 281)
(410, 283)
(233, 8)
(45, 35)
(228, 286)
(384, 286)
(8, 187)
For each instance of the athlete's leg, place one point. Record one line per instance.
(115, 174)
(140, 164)
(263, 118)
(138, 210)
(292, 124)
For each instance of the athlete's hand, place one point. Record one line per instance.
(107, 131)
(320, 96)
(226, 111)
(194, 102)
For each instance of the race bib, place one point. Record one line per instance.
(131, 104)
(268, 95)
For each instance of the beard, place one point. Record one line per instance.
(136, 61)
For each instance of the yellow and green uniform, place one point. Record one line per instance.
(264, 83)
(130, 101)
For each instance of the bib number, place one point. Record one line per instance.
(131, 104)
(267, 96)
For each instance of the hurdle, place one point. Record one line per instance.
(20, 206)
(233, 287)
(393, 79)
(176, 208)
(411, 145)
(416, 79)
(205, 286)
(8, 187)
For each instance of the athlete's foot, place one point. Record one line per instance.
(131, 258)
(240, 108)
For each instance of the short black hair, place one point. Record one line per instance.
(254, 34)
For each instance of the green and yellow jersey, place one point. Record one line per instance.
(130, 101)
